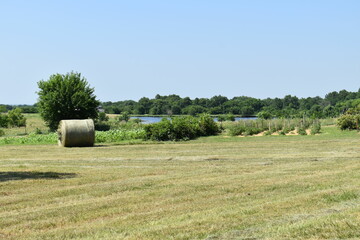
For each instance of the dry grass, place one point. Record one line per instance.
(274, 187)
(33, 122)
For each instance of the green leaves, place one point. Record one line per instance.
(66, 96)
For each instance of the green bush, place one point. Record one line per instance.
(161, 131)
(102, 126)
(267, 133)
(302, 131)
(16, 118)
(2, 133)
(315, 128)
(230, 117)
(103, 117)
(348, 122)
(236, 129)
(181, 128)
(252, 131)
(207, 125)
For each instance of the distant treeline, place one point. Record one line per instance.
(333, 105)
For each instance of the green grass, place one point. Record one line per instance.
(273, 187)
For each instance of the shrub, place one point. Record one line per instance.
(315, 128)
(207, 125)
(221, 118)
(16, 118)
(102, 126)
(103, 117)
(267, 133)
(230, 117)
(252, 131)
(2, 133)
(236, 130)
(160, 131)
(347, 121)
(124, 117)
(301, 131)
(181, 128)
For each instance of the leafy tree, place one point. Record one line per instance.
(16, 118)
(193, 110)
(66, 96)
(124, 116)
(2, 108)
(264, 115)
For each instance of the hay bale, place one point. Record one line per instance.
(76, 133)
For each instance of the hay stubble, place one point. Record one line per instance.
(216, 188)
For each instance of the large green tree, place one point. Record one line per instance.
(66, 96)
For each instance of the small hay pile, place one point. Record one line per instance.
(76, 133)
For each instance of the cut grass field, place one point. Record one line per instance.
(274, 187)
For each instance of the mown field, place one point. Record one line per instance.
(273, 187)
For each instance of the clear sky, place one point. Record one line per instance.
(195, 48)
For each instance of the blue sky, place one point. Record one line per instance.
(195, 48)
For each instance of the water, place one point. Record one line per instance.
(158, 119)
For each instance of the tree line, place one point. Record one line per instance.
(334, 104)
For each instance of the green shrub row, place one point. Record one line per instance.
(181, 128)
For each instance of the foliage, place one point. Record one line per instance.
(315, 128)
(66, 96)
(301, 131)
(4, 120)
(332, 105)
(103, 117)
(2, 133)
(264, 115)
(230, 117)
(221, 118)
(102, 126)
(124, 116)
(32, 138)
(181, 128)
(119, 135)
(350, 120)
(2, 108)
(16, 118)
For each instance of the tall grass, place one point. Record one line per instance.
(282, 126)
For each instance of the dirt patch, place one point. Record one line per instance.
(259, 134)
(292, 133)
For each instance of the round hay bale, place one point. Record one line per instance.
(76, 133)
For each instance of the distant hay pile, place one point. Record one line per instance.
(76, 133)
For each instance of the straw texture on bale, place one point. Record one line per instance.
(76, 133)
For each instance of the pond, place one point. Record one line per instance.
(158, 119)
